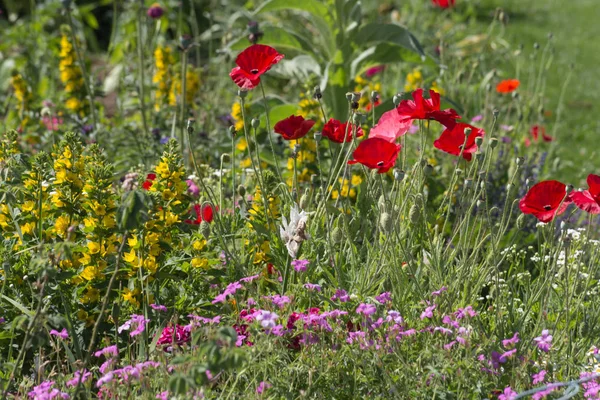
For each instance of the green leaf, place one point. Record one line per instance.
(312, 6)
(21, 307)
(390, 33)
(301, 67)
(278, 38)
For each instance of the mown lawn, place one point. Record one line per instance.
(575, 29)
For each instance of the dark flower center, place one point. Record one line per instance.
(254, 71)
(547, 207)
(380, 164)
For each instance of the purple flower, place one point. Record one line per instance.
(279, 301)
(107, 351)
(45, 391)
(508, 394)
(428, 313)
(163, 395)
(138, 322)
(449, 345)
(512, 341)
(477, 118)
(75, 380)
(542, 394)
(341, 295)
(394, 316)
(267, 319)
(443, 330)
(508, 354)
(449, 321)
(155, 11)
(260, 389)
(539, 377)
(384, 297)
(544, 342)
(312, 287)
(439, 292)
(193, 189)
(414, 128)
(507, 128)
(366, 309)
(463, 312)
(158, 307)
(506, 139)
(249, 279)
(374, 71)
(230, 289)
(63, 334)
(300, 265)
(164, 140)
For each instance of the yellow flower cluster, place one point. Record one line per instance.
(236, 114)
(257, 211)
(348, 187)
(163, 77)
(192, 86)
(414, 80)
(306, 160)
(365, 87)
(72, 77)
(22, 94)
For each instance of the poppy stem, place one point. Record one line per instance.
(262, 89)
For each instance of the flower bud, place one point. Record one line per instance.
(255, 123)
(536, 45)
(496, 112)
(413, 214)
(468, 183)
(468, 132)
(493, 143)
(520, 160)
(385, 222)
(225, 158)
(318, 136)
(521, 221)
(317, 95)
(428, 170)
(356, 96)
(242, 93)
(399, 175)
(459, 171)
(479, 141)
(304, 200)
(397, 99)
(185, 41)
(349, 96)
(314, 180)
(479, 155)
(374, 96)
(241, 190)
(205, 229)
(190, 125)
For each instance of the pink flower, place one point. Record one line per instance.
(428, 313)
(155, 11)
(384, 297)
(63, 334)
(260, 389)
(178, 335)
(75, 380)
(137, 322)
(512, 341)
(539, 377)
(439, 292)
(158, 307)
(193, 189)
(544, 342)
(366, 309)
(508, 394)
(506, 355)
(300, 265)
(341, 295)
(107, 351)
(374, 71)
(163, 395)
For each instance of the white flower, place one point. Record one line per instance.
(294, 233)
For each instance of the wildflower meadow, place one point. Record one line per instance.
(289, 199)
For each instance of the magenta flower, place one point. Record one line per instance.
(477, 118)
(267, 319)
(75, 380)
(341, 295)
(137, 323)
(464, 312)
(443, 330)
(374, 71)
(313, 287)
(544, 342)
(542, 394)
(105, 379)
(63, 334)
(158, 307)
(439, 292)
(155, 11)
(512, 341)
(45, 391)
(508, 394)
(300, 265)
(428, 313)
(384, 297)
(178, 335)
(249, 279)
(366, 309)
(449, 345)
(193, 189)
(107, 351)
(539, 377)
(278, 300)
(163, 395)
(508, 354)
(262, 387)
(394, 316)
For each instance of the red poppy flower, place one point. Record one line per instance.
(337, 132)
(252, 63)
(421, 108)
(545, 200)
(205, 213)
(148, 182)
(535, 134)
(370, 105)
(390, 126)
(376, 153)
(452, 140)
(293, 127)
(443, 3)
(589, 200)
(374, 71)
(508, 86)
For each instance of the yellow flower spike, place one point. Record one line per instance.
(90, 223)
(28, 206)
(356, 180)
(152, 238)
(155, 250)
(109, 221)
(61, 225)
(150, 264)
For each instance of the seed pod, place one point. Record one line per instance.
(468, 132)
(478, 141)
(225, 158)
(255, 123)
(397, 99)
(241, 190)
(428, 170)
(493, 143)
(232, 130)
(399, 175)
(349, 96)
(318, 136)
(374, 96)
(242, 93)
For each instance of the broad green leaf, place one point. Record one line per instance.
(317, 8)
(301, 67)
(275, 37)
(390, 33)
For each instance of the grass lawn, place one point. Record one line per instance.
(575, 29)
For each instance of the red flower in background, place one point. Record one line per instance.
(535, 134)
(443, 3)
(545, 200)
(420, 108)
(293, 127)
(205, 213)
(508, 86)
(376, 153)
(589, 200)
(337, 132)
(148, 182)
(452, 140)
(252, 63)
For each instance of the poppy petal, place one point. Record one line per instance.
(293, 127)
(586, 202)
(376, 153)
(390, 126)
(545, 200)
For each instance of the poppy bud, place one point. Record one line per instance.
(459, 171)
(232, 130)
(515, 95)
(241, 189)
(482, 185)
(255, 123)
(413, 214)
(356, 96)
(397, 99)
(225, 158)
(336, 235)
(242, 93)
(419, 200)
(494, 211)
(354, 105)
(385, 222)
(304, 200)
(521, 221)
(479, 155)
(46, 112)
(349, 96)
(185, 41)
(399, 175)
(496, 112)
(317, 95)
(569, 188)
(318, 136)
(493, 143)
(428, 170)
(356, 119)
(519, 160)
(479, 141)
(190, 125)
(468, 183)
(205, 229)
(468, 131)
(479, 203)
(374, 96)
